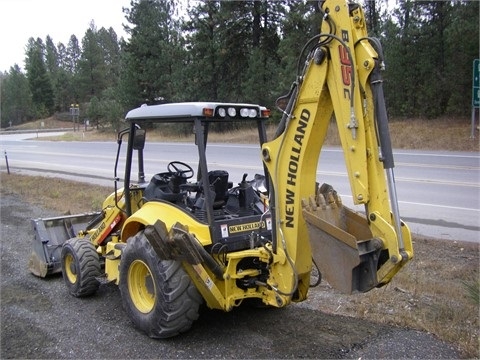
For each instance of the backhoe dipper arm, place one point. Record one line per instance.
(341, 76)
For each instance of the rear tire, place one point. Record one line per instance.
(80, 267)
(158, 295)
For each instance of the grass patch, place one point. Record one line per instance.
(473, 290)
(453, 134)
(424, 295)
(55, 194)
(436, 292)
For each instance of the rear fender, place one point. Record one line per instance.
(170, 214)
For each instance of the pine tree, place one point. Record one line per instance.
(461, 48)
(262, 73)
(108, 42)
(16, 98)
(63, 86)
(203, 42)
(301, 22)
(235, 45)
(38, 78)
(91, 66)
(73, 53)
(51, 56)
(58, 78)
(153, 56)
(429, 48)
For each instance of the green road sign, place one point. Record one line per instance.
(476, 84)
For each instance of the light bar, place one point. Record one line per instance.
(237, 112)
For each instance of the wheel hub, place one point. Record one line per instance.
(141, 286)
(73, 269)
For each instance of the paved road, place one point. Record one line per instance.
(439, 192)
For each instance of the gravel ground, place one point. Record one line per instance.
(40, 320)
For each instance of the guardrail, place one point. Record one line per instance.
(28, 131)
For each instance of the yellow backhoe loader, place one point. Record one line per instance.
(189, 237)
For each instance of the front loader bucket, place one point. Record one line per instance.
(342, 244)
(50, 234)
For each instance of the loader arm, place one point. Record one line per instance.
(340, 78)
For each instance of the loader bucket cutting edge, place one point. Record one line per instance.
(49, 236)
(37, 266)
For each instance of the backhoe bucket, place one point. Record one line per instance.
(50, 234)
(342, 244)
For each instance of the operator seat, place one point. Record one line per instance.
(163, 186)
(219, 183)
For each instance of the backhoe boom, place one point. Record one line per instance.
(341, 78)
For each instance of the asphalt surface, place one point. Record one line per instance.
(438, 192)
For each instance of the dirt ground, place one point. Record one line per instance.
(40, 320)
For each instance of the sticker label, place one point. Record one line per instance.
(265, 224)
(224, 230)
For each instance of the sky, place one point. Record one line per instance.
(23, 19)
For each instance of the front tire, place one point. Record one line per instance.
(80, 267)
(158, 295)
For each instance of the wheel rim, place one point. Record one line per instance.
(141, 286)
(70, 269)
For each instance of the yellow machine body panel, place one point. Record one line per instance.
(151, 211)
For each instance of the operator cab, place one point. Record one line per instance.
(212, 197)
(227, 200)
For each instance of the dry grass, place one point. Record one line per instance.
(429, 294)
(55, 194)
(440, 134)
(50, 123)
(453, 134)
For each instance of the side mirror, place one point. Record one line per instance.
(139, 139)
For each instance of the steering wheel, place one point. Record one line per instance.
(181, 169)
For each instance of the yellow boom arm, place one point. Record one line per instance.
(341, 78)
